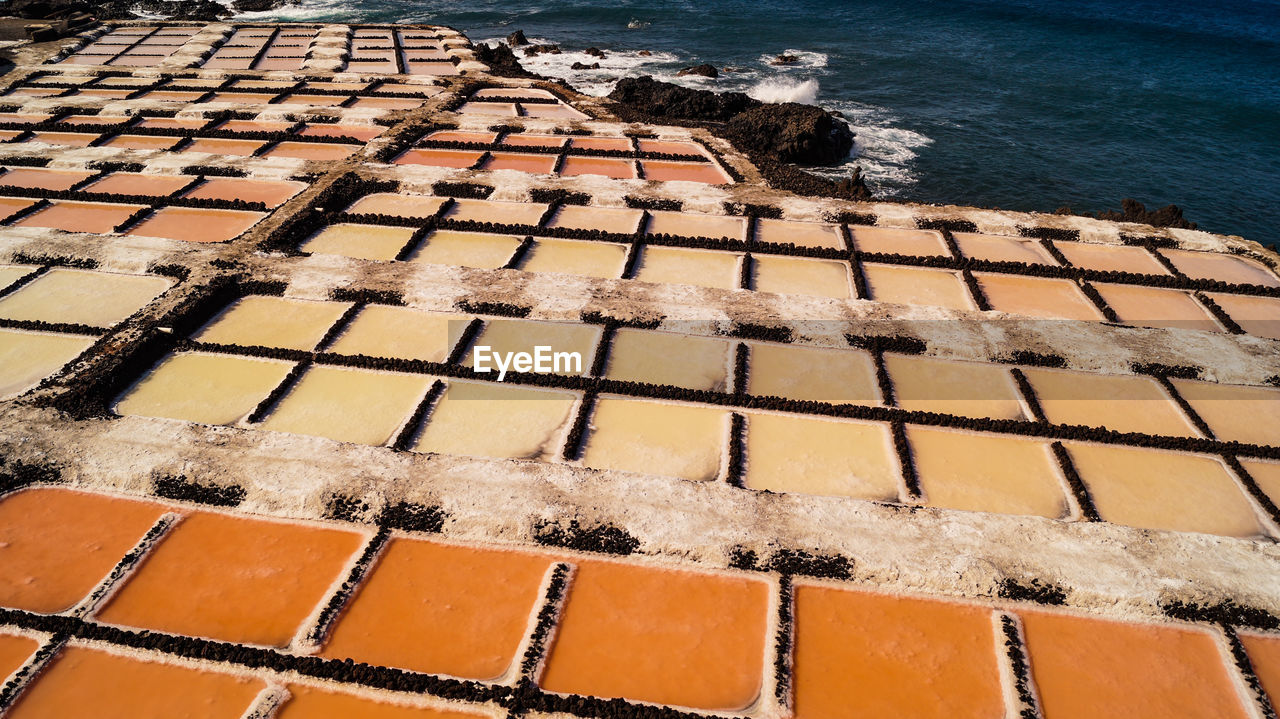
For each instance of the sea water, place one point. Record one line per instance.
(1019, 104)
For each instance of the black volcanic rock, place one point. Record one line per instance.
(662, 99)
(516, 38)
(792, 132)
(260, 5)
(705, 70)
(595, 52)
(584, 66)
(502, 61)
(1133, 211)
(785, 60)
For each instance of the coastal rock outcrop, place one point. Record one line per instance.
(705, 70)
(801, 134)
(663, 99)
(516, 39)
(1133, 211)
(502, 61)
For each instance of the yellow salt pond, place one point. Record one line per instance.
(483, 419)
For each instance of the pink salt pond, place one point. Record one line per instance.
(253, 126)
(669, 147)
(621, 144)
(607, 166)
(66, 139)
(676, 171)
(521, 162)
(219, 146)
(363, 133)
(192, 224)
(271, 193)
(142, 142)
(488, 108)
(528, 140)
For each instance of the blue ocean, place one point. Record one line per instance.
(1017, 104)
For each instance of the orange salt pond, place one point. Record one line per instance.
(789, 453)
(12, 273)
(919, 243)
(682, 224)
(85, 297)
(917, 286)
(386, 203)
(1088, 667)
(15, 650)
(666, 358)
(223, 146)
(986, 472)
(271, 193)
(622, 144)
(232, 578)
(69, 216)
(311, 150)
(466, 249)
(1124, 403)
(1036, 297)
(605, 219)
(194, 224)
(11, 205)
(203, 387)
(668, 147)
(859, 654)
(389, 331)
(1235, 412)
(804, 234)
(1163, 490)
(1259, 316)
(504, 213)
(575, 165)
(520, 162)
(525, 140)
(801, 276)
(1156, 307)
(1264, 656)
(307, 702)
(1267, 476)
(348, 405)
(28, 357)
(677, 265)
(995, 248)
(484, 138)
(468, 607)
(56, 544)
(967, 389)
(136, 183)
(364, 242)
(676, 171)
(1114, 258)
(669, 440)
(1221, 267)
(438, 158)
(812, 373)
(479, 419)
(272, 322)
(84, 683)
(39, 177)
(657, 635)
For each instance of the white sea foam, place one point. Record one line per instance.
(309, 11)
(884, 150)
(804, 59)
(615, 65)
(784, 89)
